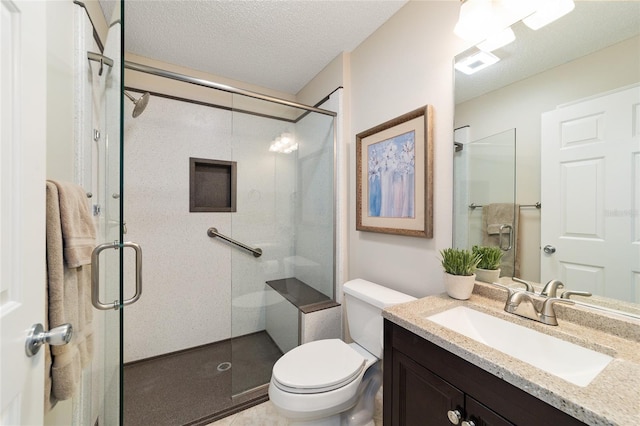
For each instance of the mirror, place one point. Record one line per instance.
(592, 52)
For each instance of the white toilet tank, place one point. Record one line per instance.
(364, 304)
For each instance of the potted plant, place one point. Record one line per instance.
(459, 272)
(488, 269)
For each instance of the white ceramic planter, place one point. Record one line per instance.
(487, 275)
(459, 286)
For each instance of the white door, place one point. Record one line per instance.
(22, 206)
(591, 195)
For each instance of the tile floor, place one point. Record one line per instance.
(265, 415)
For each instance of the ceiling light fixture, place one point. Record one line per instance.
(487, 23)
(548, 11)
(480, 19)
(498, 40)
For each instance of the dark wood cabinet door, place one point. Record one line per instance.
(481, 415)
(421, 397)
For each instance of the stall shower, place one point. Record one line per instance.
(201, 341)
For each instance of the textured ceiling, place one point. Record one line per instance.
(279, 44)
(591, 26)
(282, 44)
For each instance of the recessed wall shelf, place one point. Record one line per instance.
(212, 185)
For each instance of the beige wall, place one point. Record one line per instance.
(404, 65)
(60, 91)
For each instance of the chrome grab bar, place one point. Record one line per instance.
(213, 232)
(95, 275)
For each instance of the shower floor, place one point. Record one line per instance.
(187, 388)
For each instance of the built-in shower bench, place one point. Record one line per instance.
(306, 298)
(318, 316)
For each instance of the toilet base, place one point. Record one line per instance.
(326, 421)
(330, 421)
(358, 414)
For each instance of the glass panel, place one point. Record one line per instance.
(285, 169)
(108, 199)
(484, 174)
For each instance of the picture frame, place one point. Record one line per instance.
(394, 176)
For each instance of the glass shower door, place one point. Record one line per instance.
(285, 207)
(484, 181)
(104, 383)
(263, 219)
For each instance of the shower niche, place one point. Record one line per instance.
(212, 185)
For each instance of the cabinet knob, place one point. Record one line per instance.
(468, 423)
(454, 416)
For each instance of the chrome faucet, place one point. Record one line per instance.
(548, 314)
(538, 307)
(551, 288)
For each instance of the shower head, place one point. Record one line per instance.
(138, 104)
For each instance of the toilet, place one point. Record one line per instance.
(330, 382)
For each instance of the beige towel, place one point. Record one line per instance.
(78, 228)
(69, 299)
(493, 217)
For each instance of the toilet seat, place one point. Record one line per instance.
(319, 366)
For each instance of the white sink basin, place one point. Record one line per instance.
(566, 360)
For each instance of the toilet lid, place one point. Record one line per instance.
(318, 366)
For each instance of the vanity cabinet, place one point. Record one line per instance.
(425, 385)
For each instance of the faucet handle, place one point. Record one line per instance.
(567, 294)
(551, 288)
(527, 284)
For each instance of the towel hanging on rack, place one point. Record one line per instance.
(70, 237)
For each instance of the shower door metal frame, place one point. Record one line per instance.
(134, 66)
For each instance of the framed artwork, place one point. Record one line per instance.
(394, 176)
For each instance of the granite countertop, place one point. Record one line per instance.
(612, 398)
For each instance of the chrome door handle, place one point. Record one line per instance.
(510, 241)
(549, 249)
(95, 275)
(57, 336)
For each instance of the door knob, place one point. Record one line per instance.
(468, 423)
(549, 249)
(60, 335)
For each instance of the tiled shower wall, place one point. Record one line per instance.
(187, 275)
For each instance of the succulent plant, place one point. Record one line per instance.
(459, 261)
(490, 256)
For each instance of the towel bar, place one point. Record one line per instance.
(537, 205)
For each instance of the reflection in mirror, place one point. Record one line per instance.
(485, 189)
(559, 87)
